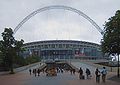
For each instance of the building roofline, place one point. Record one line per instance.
(49, 41)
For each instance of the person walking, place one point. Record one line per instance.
(74, 71)
(35, 72)
(97, 73)
(38, 71)
(88, 73)
(81, 73)
(71, 71)
(30, 71)
(104, 73)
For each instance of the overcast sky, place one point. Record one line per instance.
(56, 24)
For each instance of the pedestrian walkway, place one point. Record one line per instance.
(23, 78)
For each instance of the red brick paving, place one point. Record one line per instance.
(92, 81)
(17, 79)
(12, 79)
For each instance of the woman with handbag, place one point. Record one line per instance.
(97, 73)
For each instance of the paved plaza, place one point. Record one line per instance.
(23, 78)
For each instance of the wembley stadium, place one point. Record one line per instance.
(63, 49)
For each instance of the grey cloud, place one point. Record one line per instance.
(64, 24)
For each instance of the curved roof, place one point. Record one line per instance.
(61, 41)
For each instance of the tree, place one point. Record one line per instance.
(111, 38)
(32, 59)
(0, 58)
(9, 48)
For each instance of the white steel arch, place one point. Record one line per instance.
(57, 7)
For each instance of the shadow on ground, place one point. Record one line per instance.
(115, 78)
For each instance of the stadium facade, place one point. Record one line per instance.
(63, 49)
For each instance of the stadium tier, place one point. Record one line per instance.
(63, 49)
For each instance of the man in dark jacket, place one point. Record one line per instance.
(80, 73)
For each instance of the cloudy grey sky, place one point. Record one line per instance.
(56, 23)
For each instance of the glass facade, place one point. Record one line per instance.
(64, 49)
(56, 54)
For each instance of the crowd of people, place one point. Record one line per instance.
(98, 73)
(36, 72)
